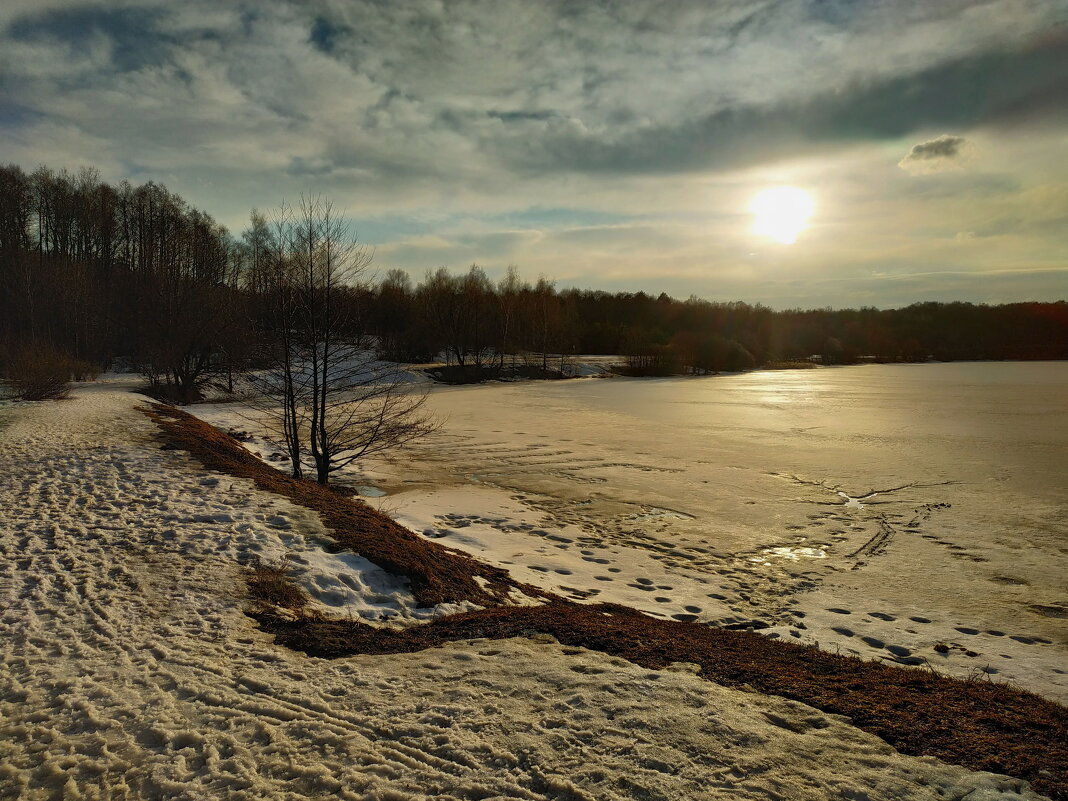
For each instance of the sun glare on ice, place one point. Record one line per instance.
(781, 213)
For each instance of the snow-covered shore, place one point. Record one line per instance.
(129, 670)
(905, 513)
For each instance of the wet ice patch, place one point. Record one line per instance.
(854, 501)
(367, 491)
(796, 552)
(658, 513)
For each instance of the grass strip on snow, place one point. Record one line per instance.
(437, 574)
(979, 724)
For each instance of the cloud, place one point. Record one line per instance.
(629, 135)
(935, 155)
(396, 93)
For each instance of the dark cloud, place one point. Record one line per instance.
(133, 36)
(989, 88)
(941, 147)
(934, 155)
(520, 116)
(571, 87)
(325, 35)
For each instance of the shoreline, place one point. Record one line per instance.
(899, 577)
(922, 713)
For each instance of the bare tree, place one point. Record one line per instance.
(255, 252)
(509, 291)
(444, 306)
(330, 391)
(281, 388)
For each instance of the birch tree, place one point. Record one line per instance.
(332, 399)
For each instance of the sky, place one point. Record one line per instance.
(611, 145)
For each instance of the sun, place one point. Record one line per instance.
(781, 212)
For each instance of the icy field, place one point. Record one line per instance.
(912, 513)
(128, 671)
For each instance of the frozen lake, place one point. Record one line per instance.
(915, 513)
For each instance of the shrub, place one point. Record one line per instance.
(271, 583)
(39, 372)
(81, 370)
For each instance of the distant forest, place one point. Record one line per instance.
(100, 273)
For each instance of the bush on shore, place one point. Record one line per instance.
(38, 372)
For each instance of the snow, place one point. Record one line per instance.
(129, 670)
(563, 558)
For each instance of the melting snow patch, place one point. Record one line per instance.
(796, 552)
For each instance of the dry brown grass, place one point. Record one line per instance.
(271, 584)
(438, 574)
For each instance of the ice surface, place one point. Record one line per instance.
(895, 493)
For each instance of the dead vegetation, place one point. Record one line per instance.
(37, 372)
(980, 725)
(270, 584)
(438, 574)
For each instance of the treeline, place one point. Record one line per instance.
(91, 271)
(97, 272)
(477, 325)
